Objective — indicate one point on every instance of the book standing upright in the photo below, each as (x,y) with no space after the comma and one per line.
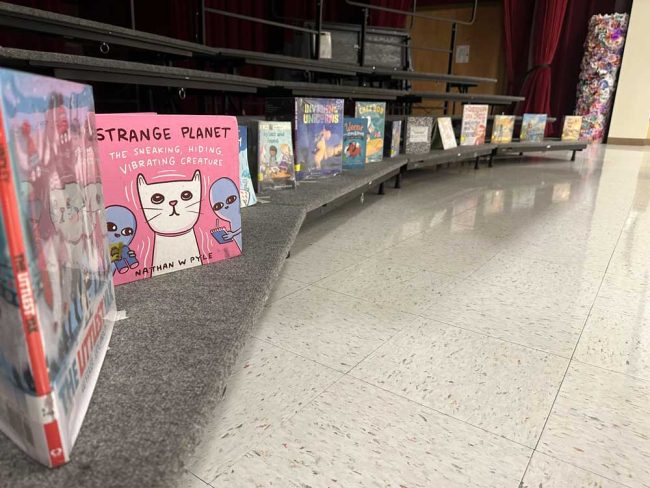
(57,304)
(533,127)
(354,142)
(275,159)
(172,192)
(319,137)
(375,114)
(418,135)
(502,129)
(246,189)
(474,125)
(572,127)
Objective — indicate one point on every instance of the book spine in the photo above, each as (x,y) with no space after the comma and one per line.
(26,300)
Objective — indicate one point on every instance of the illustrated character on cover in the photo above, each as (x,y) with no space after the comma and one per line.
(322,150)
(353,149)
(271,164)
(121,225)
(223,200)
(287,158)
(171,209)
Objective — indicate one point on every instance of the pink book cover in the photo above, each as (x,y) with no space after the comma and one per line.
(171,189)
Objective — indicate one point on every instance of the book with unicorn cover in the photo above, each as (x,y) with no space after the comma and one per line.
(319,137)
(171,186)
(57,305)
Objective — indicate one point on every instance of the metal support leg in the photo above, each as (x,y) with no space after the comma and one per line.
(398,180)
(573,156)
(476,162)
(381,189)
(490,160)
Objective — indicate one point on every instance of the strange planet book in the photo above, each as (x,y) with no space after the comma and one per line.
(571,128)
(502,129)
(57,305)
(276,167)
(533,127)
(354,142)
(474,125)
(246,189)
(375,114)
(319,137)
(171,186)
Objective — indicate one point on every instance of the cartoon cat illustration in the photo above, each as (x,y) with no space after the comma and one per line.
(172,209)
(223,201)
(121,226)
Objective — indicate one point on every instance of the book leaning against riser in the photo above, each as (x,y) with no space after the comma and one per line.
(57,302)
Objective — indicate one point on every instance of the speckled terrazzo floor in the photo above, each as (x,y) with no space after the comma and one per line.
(474,329)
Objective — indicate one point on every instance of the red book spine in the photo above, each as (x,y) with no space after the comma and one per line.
(26,300)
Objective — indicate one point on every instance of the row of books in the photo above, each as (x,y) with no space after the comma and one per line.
(321,142)
(89,201)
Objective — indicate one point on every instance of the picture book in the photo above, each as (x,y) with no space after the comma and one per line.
(276,169)
(57,305)
(446,131)
(473,128)
(319,137)
(375,114)
(246,190)
(171,186)
(396,137)
(354,142)
(502,129)
(533,127)
(571,128)
(418,135)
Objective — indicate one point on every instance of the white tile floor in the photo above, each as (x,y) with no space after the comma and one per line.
(474,329)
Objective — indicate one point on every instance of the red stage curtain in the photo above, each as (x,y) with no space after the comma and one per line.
(379,18)
(549,18)
(566,64)
(517,22)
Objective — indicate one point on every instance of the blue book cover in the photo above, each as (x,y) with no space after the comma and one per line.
(319,137)
(533,127)
(375,114)
(354,142)
(246,190)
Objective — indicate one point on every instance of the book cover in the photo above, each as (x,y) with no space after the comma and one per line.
(171,186)
(473,128)
(246,190)
(446,131)
(533,127)
(319,137)
(354,142)
(502,129)
(276,168)
(396,137)
(571,128)
(375,114)
(57,304)
(418,135)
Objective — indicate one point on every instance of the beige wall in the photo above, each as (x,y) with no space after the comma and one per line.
(631,115)
(484,38)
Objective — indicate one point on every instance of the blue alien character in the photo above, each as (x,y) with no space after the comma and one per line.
(121,225)
(224,200)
